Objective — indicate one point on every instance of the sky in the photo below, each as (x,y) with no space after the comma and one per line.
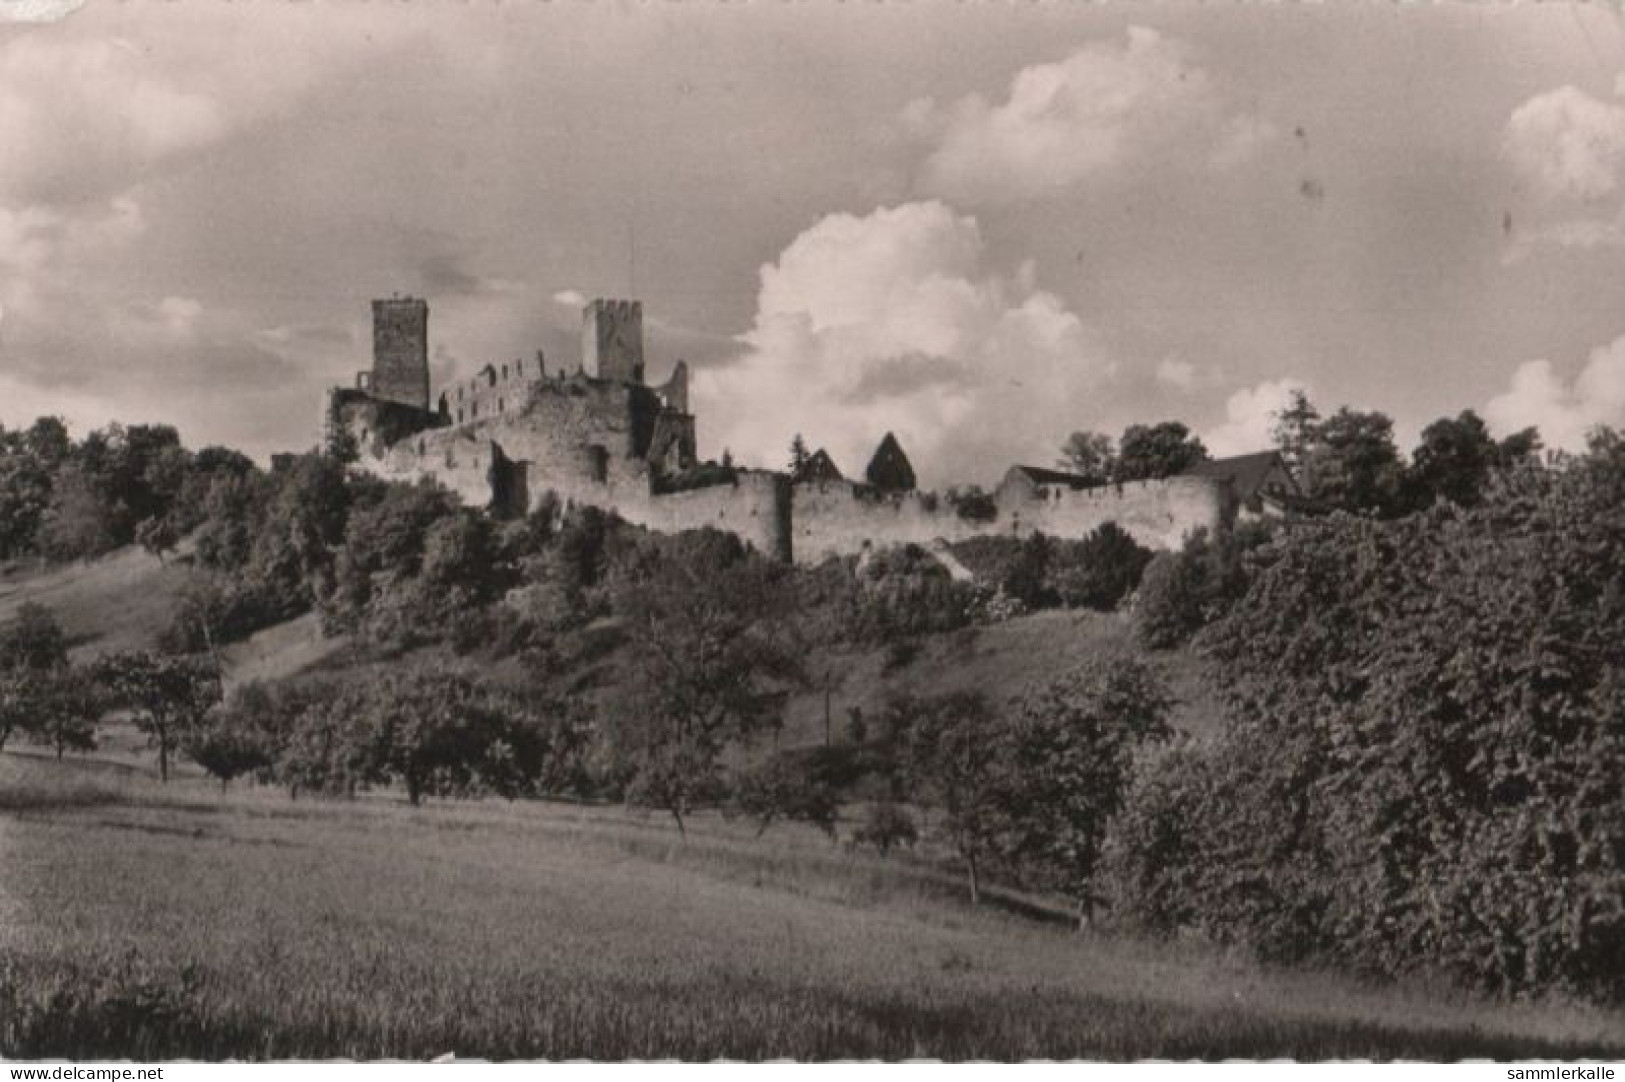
(979,226)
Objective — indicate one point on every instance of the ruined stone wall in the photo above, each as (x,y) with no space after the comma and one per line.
(496,389)
(837,518)
(755,507)
(463,460)
(371,424)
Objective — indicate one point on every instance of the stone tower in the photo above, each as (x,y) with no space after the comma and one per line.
(612,340)
(400,351)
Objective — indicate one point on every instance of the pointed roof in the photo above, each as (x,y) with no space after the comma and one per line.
(1040,475)
(1250,475)
(817,468)
(889,470)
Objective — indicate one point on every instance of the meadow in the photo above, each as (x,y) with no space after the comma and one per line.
(153,922)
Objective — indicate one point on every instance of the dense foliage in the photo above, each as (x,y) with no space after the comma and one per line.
(1425,764)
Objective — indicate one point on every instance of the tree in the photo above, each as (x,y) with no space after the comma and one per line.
(1295,429)
(226,749)
(1090,456)
(34,641)
(1453,461)
(954,754)
(1099,571)
(1072,752)
(33,655)
(798,454)
(1353,465)
(442,732)
(802,785)
(1456,456)
(66,704)
(711,664)
(1159,450)
(167,696)
(157,536)
(1421,766)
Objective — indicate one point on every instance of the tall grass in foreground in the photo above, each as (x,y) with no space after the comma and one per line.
(175,923)
(128,1007)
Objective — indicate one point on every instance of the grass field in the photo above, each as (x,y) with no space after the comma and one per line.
(171,922)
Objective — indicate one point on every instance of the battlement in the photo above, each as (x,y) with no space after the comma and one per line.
(601,436)
(612,340)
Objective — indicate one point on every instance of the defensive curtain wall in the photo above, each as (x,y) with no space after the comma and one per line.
(839,517)
(598,435)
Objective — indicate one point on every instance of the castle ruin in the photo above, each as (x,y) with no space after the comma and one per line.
(598,434)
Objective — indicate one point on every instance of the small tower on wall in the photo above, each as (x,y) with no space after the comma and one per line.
(400,351)
(612,340)
(890,469)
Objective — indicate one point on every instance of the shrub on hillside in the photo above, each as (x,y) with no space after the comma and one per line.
(802,785)
(1182,592)
(1099,571)
(1423,765)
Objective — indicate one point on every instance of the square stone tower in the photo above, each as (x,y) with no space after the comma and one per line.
(612,340)
(400,351)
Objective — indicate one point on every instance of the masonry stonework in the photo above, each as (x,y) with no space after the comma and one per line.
(598,435)
(400,351)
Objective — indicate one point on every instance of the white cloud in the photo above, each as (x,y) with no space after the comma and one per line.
(1065,122)
(179,314)
(1178,374)
(75,111)
(1564,412)
(1242,137)
(891,321)
(1567,144)
(1250,417)
(570,298)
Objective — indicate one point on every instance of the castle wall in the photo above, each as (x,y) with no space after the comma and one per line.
(1159,514)
(465,461)
(755,507)
(497,389)
(373,424)
(837,518)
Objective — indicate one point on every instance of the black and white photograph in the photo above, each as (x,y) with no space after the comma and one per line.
(812,531)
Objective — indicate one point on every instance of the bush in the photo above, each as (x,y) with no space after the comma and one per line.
(1180,593)
(972,504)
(1099,571)
(799,786)
(1423,766)
(886,826)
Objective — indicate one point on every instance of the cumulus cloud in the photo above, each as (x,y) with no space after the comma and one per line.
(85,113)
(1249,417)
(180,314)
(1564,411)
(1567,144)
(1177,374)
(1064,122)
(893,322)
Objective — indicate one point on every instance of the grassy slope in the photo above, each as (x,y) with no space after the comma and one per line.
(119,602)
(1002,660)
(125,599)
(189,923)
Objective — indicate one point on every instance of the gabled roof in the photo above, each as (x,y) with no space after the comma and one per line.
(817,467)
(1038,475)
(890,470)
(1247,474)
